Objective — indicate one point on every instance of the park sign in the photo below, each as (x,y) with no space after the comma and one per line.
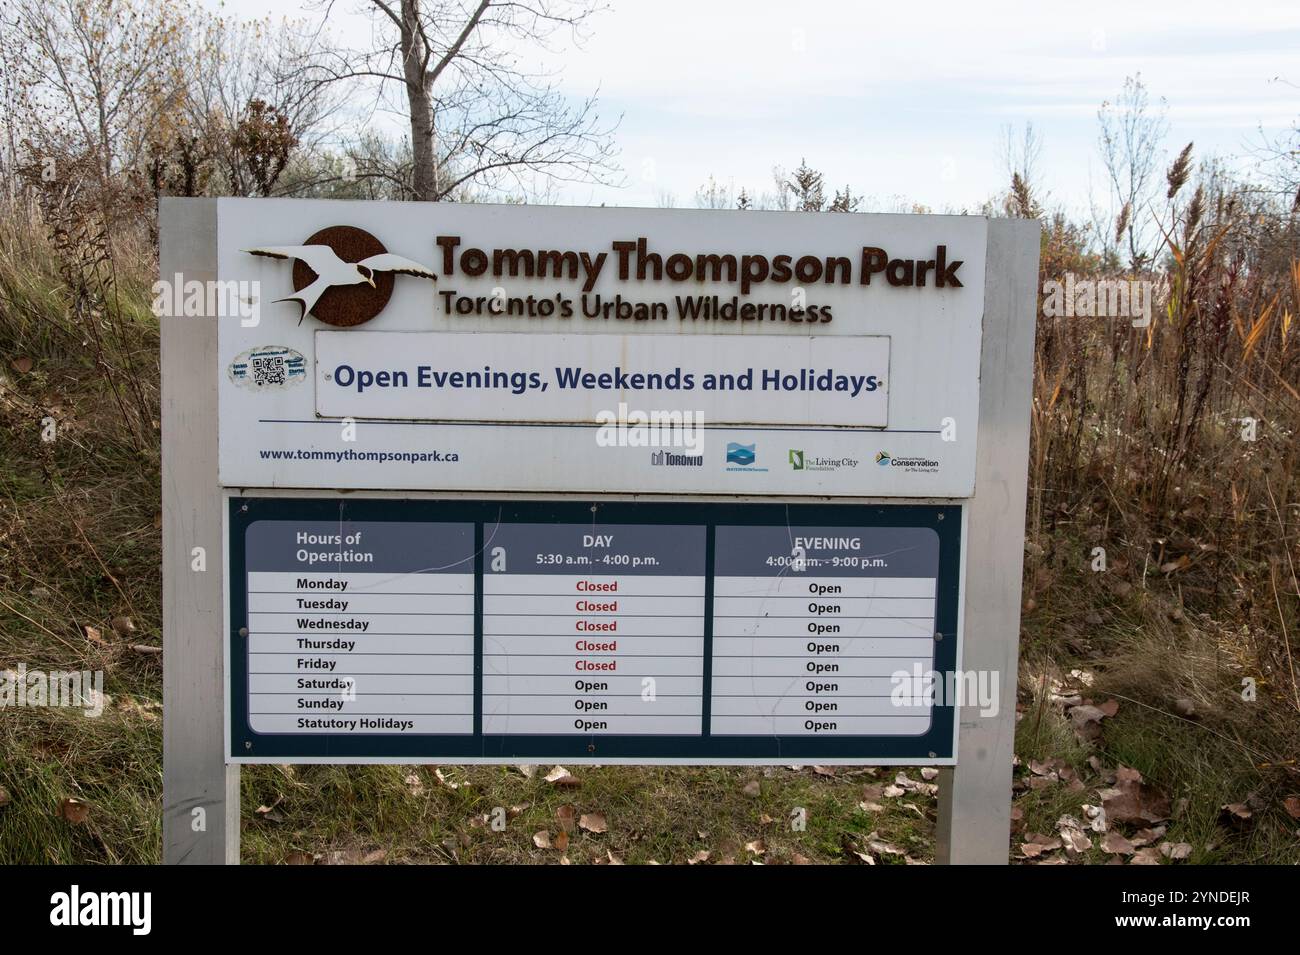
(517,484)
(489,348)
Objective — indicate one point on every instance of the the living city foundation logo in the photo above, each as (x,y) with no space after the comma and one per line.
(801,461)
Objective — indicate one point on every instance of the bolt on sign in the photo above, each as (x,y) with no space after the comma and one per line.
(517,483)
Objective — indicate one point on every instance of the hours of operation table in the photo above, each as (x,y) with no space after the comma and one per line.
(490,630)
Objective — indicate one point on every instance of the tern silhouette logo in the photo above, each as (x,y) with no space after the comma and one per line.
(342,275)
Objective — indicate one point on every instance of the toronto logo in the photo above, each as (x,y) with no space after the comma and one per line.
(343,275)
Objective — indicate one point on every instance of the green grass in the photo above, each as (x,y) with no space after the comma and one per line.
(653,814)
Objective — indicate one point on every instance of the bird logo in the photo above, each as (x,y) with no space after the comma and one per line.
(342,275)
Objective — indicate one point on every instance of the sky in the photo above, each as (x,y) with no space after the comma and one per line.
(906,102)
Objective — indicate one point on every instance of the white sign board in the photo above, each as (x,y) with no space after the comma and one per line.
(484,348)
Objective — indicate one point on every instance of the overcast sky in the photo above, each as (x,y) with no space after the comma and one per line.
(907,99)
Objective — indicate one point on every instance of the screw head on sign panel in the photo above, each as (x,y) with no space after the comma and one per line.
(934,756)
(243,507)
(940,515)
(938,636)
(248,744)
(243,631)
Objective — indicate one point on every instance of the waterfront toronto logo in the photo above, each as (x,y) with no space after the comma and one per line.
(740,454)
(342,275)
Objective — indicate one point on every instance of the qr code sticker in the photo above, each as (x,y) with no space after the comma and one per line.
(268,370)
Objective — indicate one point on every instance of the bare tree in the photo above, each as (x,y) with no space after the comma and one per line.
(96,79)
(241,73)
(476,115)
(713,195)
(1132,130)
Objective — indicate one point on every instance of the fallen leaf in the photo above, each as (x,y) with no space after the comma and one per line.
(1146,856)
(74,811)
(876,846)
(699,857)
(4,796)
(871,806)
(1176,850)
(1086,721)
(442,778)
(593,822)
(1292,806)
(824,771)
(374,856)
(561,841)
(299,858)
(559,772)
(1145,837)
(93,634)
(528,769)
(613,859)
(1036,844)
(542,839)
(1236,813)
(892,792)
(1076,840)
(1116,844)
(757,847)
(123,626)
(414,785)
(752,788)
(1133,801)
(567,815)
(22,365)
(1096,817)
(929,773)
